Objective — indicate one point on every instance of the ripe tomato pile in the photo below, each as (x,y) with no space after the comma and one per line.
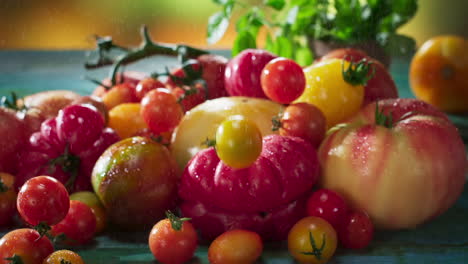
(227,153)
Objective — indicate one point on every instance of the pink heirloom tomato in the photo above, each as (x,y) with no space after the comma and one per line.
(254,197)
(403,163)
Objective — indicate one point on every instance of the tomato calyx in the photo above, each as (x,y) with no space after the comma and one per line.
(316,252)
(3,187)
(12,103)
(382,119)
(63,261)
(276,122)
(69,163)
(209,142)
(15,259)
(358,73)
(43,229)
(176,222)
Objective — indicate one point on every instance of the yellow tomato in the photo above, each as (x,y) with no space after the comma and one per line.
(439,73)
(238,142)
(312,240)
(327,89)
(126,119)
(201,122)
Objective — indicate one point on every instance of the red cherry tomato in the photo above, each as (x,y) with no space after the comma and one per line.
(79,226)
(189,97)
(7,198)
(235,246)
(43,199)
(173,240)
(146,85)
(357,230)
(160,110)
(329,205)
(303,120)
(26,244)
(282,80)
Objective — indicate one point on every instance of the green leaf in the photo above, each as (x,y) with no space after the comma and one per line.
(397,45)
(304,56)
(222,2)
(244,40)
(217,26)
(284,47)
(275,4)
(251,21)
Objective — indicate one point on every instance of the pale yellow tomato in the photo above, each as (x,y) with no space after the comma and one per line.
(201,122)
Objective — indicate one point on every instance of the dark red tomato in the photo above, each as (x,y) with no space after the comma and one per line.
(26,244)
(79,226)
(7,198)
(381,86)
(80,126)
(304,120)
(43,199)
(146,85)
(329,205)
(282,80)
(161,111)
(173,241)
(12,138)
(357,230)
(179,75)
(235,246)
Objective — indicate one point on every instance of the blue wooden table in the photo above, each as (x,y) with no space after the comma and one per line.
(443,240)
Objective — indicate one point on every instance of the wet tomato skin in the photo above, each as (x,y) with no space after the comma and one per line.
(43,199)
(27,244)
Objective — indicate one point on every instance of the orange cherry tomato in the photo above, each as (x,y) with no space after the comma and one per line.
(235,246)
(126,119)
(63,256)
(438,73)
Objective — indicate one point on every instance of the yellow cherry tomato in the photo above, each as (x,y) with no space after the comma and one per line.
(126,119)
(202,121)
(312,240)
(439,73)
(238,142)
(327,89)
(63,256)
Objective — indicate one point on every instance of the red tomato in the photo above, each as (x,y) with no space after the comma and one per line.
(79,226)
(282,80)
(26,244)
(7,198)
(189,97)
(235,246)
(329,205)
(173,240)
(303,120)
(160,110)
(63,257)
(146,85)
(43,199)
(357,230)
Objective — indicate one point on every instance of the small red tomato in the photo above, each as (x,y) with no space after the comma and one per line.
(160,110)
(25,244)
(303,120)
(79,226)
(63,256)
(173,240)
(235,246)
(357,230)
(7,198)
(282,80)
(146,85)
(329,205)
(43,199)
(190,96)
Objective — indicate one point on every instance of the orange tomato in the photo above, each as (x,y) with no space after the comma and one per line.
(126,119)
(439,73)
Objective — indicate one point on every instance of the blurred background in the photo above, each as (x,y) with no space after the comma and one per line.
(59,24)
